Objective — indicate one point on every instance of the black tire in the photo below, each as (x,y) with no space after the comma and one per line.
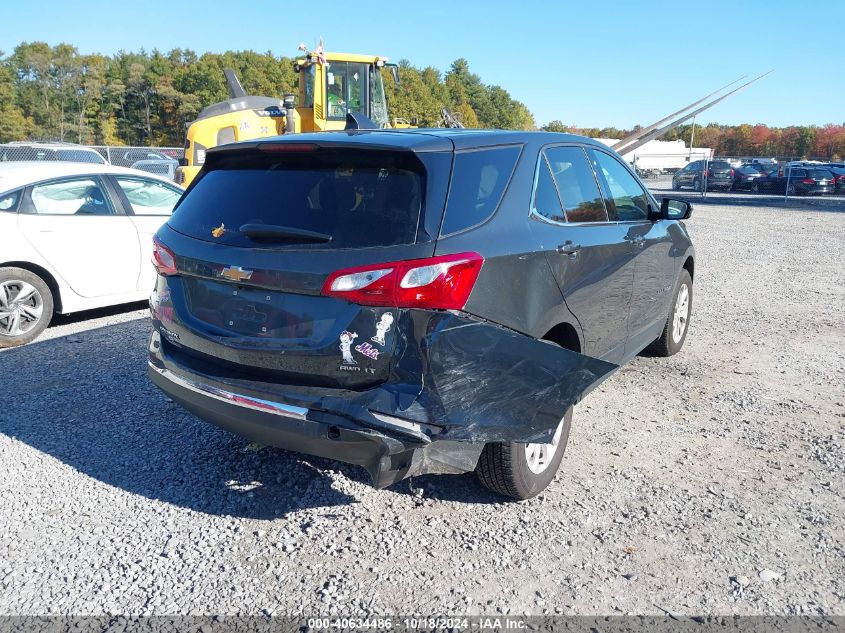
(755,188)
(503,467)
(665,344)
(790,190)
(44,298)
(675,185)
(696,184)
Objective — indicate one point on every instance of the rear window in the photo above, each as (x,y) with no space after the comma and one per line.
(719,164)
(79,156)
(358,198)
(479,179)
(820,173)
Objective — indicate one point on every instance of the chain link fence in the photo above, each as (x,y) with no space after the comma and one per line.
(156,160)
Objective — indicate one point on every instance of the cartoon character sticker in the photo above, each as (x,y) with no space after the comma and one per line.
(382,328)
(346,339)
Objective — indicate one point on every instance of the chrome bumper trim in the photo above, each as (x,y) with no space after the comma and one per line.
(248,402)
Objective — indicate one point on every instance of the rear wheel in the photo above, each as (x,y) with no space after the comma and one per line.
(677,324)
(755,187)
(26,306)
(696,184)
(790,190)
(520,470)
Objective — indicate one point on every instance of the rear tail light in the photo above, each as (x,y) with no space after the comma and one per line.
(732,173)
(708,173)
(809,181)
(442,283)
(163,259)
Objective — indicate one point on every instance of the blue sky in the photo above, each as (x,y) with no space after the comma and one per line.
(589,63)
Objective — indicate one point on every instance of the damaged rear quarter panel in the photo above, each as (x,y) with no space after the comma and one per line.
(484,383)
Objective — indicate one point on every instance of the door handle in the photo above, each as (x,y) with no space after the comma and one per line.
(568,248)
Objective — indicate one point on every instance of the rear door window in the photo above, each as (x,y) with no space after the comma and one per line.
(479,179)
(546,201)
(576,184)
(626,200)
(357,198)
(149,197)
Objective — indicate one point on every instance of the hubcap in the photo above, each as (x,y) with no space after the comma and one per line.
(681,314)
(21,307)
(539,456)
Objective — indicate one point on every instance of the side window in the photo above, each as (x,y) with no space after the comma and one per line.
(225,135)
(83,196)
(546,200)
(9,201)
(576,185)
(149,197)
(626,199)
(479,179)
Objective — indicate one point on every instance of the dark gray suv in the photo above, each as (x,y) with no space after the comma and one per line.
(420,301)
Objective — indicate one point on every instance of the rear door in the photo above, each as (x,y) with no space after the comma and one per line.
(258,236)
(148,204)
(83,234)
(589,255)
(629,205)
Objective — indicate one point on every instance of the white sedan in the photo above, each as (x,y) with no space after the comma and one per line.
(74,236)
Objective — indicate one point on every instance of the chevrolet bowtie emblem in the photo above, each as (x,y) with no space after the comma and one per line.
(235,273)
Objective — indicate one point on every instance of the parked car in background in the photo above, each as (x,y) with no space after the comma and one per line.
(796,180)
(74,236)
(61,152)
(165,168)
(718,175)
(426,301)
(745,176)
(126,157)
(838,171)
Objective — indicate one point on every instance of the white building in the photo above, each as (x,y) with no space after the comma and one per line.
(662,154)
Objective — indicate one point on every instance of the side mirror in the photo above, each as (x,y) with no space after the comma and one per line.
(671,209)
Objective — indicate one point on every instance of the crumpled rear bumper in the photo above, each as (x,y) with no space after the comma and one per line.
(455,384)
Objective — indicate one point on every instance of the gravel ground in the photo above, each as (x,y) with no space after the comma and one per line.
(708,483)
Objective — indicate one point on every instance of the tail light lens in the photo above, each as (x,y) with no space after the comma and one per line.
(709,173)
(809,181)
(163,259)
(732,173)
(442,283)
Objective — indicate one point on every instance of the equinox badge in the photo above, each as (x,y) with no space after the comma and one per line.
(235,273)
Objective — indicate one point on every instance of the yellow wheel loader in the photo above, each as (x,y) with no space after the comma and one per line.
(331,85)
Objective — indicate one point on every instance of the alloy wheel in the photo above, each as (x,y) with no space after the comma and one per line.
(680,316)
(21,307)
(539,456)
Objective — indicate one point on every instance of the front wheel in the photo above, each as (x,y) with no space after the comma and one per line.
(522,471)
(677,324)
(755,187)
(26,306)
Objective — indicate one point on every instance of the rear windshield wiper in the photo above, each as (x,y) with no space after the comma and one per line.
(276,232)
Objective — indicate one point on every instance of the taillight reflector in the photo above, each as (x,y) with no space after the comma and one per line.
(163,259)
(442,283)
